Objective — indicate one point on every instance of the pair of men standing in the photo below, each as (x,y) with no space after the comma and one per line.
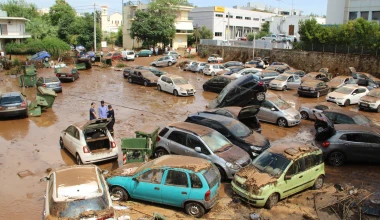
(104,112)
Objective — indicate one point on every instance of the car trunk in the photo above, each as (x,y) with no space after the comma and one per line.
(328,130)
(247,116)
(52,82)
(96,135)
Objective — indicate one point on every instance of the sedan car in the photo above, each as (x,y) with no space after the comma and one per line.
(215,58)
(313,88)
(176,85)
(364,79)
(252,142)
(85,191)
(144,53)
(187,182)
(307,110)
(13,104)
(67,74)
(50,82)
(371,101)
(340,81)
(164,61)
(285,81)
(213,69)
(278,111)
(216,84)
(198,67)
(233,63)
(325,77)
(144,77)
(173,54)
(43,55)
(278,68)
(347,95)
(89,141)
(154,70)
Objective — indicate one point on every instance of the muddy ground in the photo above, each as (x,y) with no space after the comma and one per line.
(32,144)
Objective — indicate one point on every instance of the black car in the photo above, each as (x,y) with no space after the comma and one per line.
(313,88)
(258,63)
(144,77)
(216,84)
(233,69)
(154,70)
(247,89)
(13,104)
(252,142)
(67,74)
(233,63)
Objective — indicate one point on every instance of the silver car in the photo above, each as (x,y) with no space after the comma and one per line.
(194,140)
(285,81)
(306,110)
(198,67)
(278,111)
(187,67)
(50,82)
(164,61)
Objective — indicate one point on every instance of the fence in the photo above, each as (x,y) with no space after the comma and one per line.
(259,44)
(335,48)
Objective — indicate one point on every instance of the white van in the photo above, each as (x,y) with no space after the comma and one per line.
(128,55)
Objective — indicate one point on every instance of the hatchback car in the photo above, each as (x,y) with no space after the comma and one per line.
(299,73)
(233,63)
(248,89)
(285,81)
(198,67)
(187,182)
(144,53)
(67,74)
(231,70)
(13,104)
(50,82)
(215,58)
(89,141)
(194,140)
(43,55)
(74,190)
(128,55)
(313,88)
(245,72)
(144,77)
(307,110)
(278,111)
(173,54)
(252,142)
(164,61)
(216,84)
(213,69)
(325,77)
(340,81)
(347,95)
(279,172)
(176,85)
(371,101)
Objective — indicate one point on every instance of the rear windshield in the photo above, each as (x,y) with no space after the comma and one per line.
(10,100)
(51,79)
(130,53)
(212,176)
(361,120)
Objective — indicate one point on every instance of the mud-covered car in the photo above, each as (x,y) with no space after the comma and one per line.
(252,142)
(325,77)
(77,192)
(299,73)
(278,68)
(67,74)
(215,58)
(339,81)
(258,63)
(51,82)
(181,181)
(176,85)
(285,81)
(152,69)
(267,75)
(198,67)
(89,141)
(189,64)
(231,70)
(233,63)
(313,88)
(347,95)
(216,84)
(364,79)
(13,104)
(183,138)
(246,71)
(371,101)
(279,172)
(307,110)
(144,77)
(213,69)
(164,61)
(248,89)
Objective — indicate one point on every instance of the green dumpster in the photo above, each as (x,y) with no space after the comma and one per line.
(29,78)
(34,108)
(107,61)
(48,94)
(80,66)
(134,150)
(148,132)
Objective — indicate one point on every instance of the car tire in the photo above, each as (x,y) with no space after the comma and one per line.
(120,192)
(347,103)
(284,88)
(175,93)
(46,59)
(282,122)
(262,38)
(223,175)
(304,115)
(61,143)
(271,201)
(159,88)
(194,209)
(260,96)
(145,83)
(78,159)
(169,63)
(336,158)
(160,152)
(318,184)
(130,80)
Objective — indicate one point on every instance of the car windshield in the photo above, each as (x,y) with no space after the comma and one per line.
(148,74)
(10,100)
(344,90)
(281,78)
(212,176)
(281,104)
(271,163)
(361,120)
(144,166)
(215,140)
(51,79)
(222,94)
(238,129)
(180,81)
(374,93)
(130,53)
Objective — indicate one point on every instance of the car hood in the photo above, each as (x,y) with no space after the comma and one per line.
(275,81)
(291,111)
(253,178)
(369,99)
(337,95)
(186,86)
(256,139)
(335,85)
(234,155)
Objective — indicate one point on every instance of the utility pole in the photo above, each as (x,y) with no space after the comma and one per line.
(228,29)
(94,29)
(196,36)
(254,45)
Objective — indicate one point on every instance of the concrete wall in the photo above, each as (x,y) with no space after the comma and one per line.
(307,61)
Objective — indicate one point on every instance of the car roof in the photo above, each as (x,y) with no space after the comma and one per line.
(341,77)
(314,73)
(144,71)
(184,162)
(292,150)
(356,128)
(195,128)
(287,74)
(345,112)
(9,94)
(220,118)
(293,71)
(350,86)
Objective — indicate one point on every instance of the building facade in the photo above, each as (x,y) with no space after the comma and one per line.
(112,22)
(228,23)
(12,29)
(260,6)
(341,11)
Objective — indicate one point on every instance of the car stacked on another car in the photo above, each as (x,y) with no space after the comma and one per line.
(42,55)
(51,82)
(175,85)
(164,61)
(347,95)
(216,84)
(371,101)
(144,77)
(13,104)
(313,88)
(233,63)
(278,68)
(285,81)
(325,77)
(245,71)
(339,81)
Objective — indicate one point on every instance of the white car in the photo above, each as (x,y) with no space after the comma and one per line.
(347,95)
(213,69)
(189,65)
(175,85)
(371,101)
(128,55)
(245,72)
(215,58)
(89,141)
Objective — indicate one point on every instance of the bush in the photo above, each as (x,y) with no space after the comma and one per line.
(120,65)
(16,62)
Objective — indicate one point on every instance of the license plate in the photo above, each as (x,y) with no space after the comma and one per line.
(63,75)
(13,107)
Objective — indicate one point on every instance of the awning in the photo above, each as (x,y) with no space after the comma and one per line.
(185,26)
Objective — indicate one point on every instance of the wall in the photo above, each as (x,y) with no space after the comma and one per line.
(335,11)
(307,61)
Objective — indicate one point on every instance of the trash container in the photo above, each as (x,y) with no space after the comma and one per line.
(29,78)
(48,94)
(107,61)
(148,132)
(36,106)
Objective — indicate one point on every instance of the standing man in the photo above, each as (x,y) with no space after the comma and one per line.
(156,49)
(111,114)
(102,110)
(92,111)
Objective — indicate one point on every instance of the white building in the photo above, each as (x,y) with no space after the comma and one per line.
(11,29)
(288,25)
(260,6)
(239,24)
(111,23)
(341,11)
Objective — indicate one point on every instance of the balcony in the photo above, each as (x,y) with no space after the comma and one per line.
(15,35)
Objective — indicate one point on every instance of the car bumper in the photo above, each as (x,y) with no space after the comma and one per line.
(209,204)
(181,93)
(243,195)
(339,102)
(309,93)
(367,106)
(293,122)
(13,112)
(93,158)
(56,89)
(276,87)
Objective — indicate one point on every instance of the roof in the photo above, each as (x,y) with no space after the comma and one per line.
(355,127)
(314,73)
(185,162)
(14,18)
(311,82)
(292,150)
(9,94)
(198,129)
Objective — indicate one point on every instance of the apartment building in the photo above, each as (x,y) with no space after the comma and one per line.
(12,29)
(341,11)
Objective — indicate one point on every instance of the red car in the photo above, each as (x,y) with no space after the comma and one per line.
(114,56)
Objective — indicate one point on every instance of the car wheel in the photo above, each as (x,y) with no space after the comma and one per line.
(223,175)
(46,59)
(145,83)
(271,201)
(284,88)
(169,63)
(336,159)
(159,88)
(273,41)
(318,184)
(378,109)
(304,115)
(79,161)
(260,96)
(262,38)
(194,209)
(347,103)
(175,93)
(282,122)
(161,152)
(61,143)
(119,192)
(318,94)
(130,80)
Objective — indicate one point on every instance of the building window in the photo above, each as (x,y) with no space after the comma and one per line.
(248,18)
(353,15)
(256,19)
(219,15)
(364,14)
(231,16)
(218,34)
(376,15)
(239,17)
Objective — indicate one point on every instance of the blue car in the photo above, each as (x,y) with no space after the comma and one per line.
(43,55)
(188,182)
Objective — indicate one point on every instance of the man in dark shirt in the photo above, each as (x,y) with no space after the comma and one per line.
(111,114)
(92,111)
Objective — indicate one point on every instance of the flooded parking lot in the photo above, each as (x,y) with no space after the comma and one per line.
(33,143)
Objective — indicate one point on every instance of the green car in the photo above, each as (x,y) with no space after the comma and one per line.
(144,53)
(279,172)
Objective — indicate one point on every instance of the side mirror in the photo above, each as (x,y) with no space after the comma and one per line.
(104,172)
(44,179)
(273,109)
(198,149)
(287,177)
(353,93)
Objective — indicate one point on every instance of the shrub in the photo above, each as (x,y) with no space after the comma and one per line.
(120,65)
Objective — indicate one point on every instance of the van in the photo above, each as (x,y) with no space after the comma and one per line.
(128,55)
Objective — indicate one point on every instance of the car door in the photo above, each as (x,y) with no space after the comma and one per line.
(356,147)
(294,178)
(170,85)
(355,96)
(192,142)
(373,140)
(323,88)
(147,186)
(76,141)
(177,143)
(68,138)
(266,113)
(291,83)
(161,61)
(139,78)
(176,188)
(361,92)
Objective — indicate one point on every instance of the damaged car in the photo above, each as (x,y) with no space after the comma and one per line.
(279,172)
(144,77)
(313,88)
(216,84)
(307,110)
(89,141)
(176,85)
(325,77)
(364,79)
(299,73)
(278,68)
(347,95)
(371,101)
(183,138)
(340,81)
(180,181)
(285,81)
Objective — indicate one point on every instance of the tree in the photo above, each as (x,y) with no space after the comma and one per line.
(40,28)
(62,15)
(19,8)
(81,31)
(119,37)
(262,33)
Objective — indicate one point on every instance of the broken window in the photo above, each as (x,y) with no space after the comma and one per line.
(151,176)
(176,178)
(195,181)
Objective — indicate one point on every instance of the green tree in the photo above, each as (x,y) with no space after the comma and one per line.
(265,27)
(19,8)
(81,31)
(119,37)
(62,15)
(307,30)
(40,28)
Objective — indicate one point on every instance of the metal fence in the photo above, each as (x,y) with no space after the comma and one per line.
(259,44)
(335,48)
